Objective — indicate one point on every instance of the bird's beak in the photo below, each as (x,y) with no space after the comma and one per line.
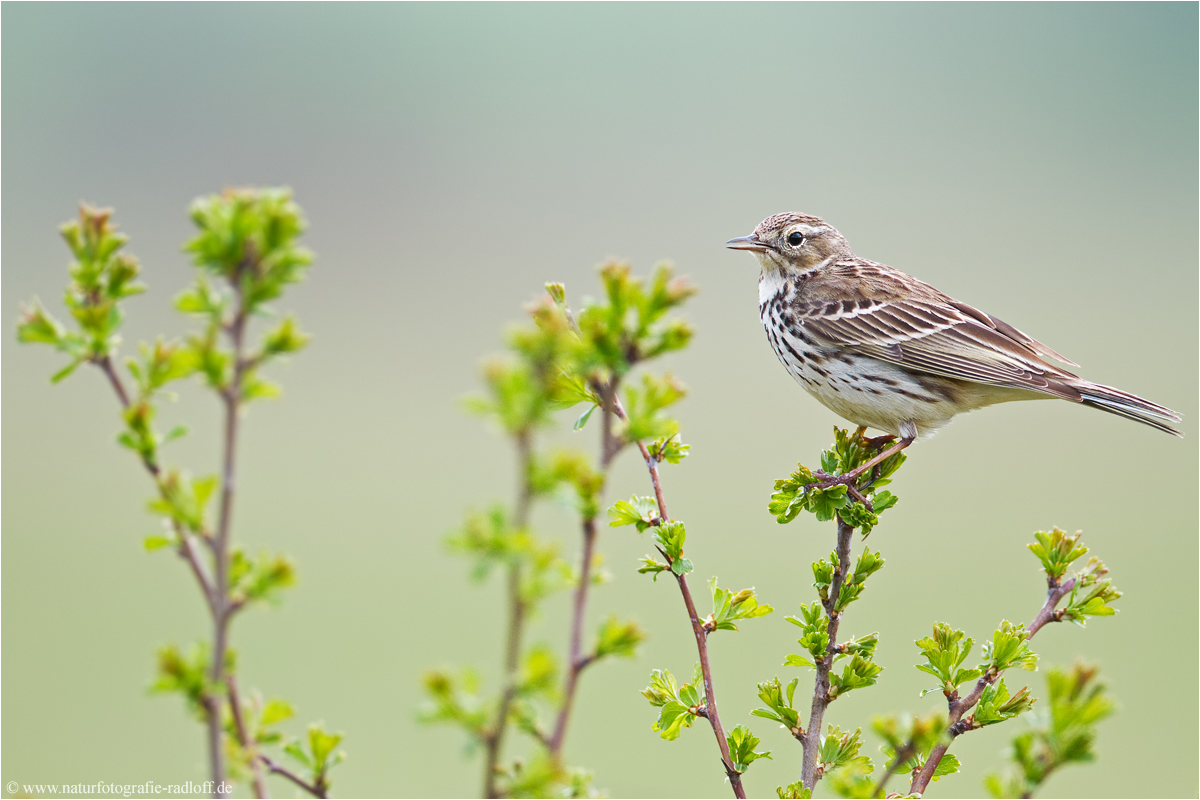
(750,242)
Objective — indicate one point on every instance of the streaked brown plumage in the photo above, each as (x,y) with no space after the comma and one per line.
(884,350)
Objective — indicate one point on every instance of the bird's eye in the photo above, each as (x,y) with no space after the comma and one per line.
(795,239)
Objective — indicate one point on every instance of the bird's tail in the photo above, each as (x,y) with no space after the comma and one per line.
(1127,405)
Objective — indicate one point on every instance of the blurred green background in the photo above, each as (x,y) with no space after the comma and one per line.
(1039,161)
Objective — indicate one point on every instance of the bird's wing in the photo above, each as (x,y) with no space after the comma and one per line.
(932,333)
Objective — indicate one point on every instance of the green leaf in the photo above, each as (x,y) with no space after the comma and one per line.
(839,748)
(639,511)
(37,326)
(285,337)
(859,673)
(557,293)
(815,638)
(794,791)
(1057,551)
(662,688)
(321,754)
(644,409)
(650,565)
(185,674)
(157,542)
(1092,595)
(584,417)
(853,779)
(256,388)
(670,536)
(258,578)
(947,766)
(454,699)
(1064,735)
(276,711)
(996,705)
(249,236)
(729,607)
(779,704)
(178,432)
(539,672)
(675,702)
(618,639)
(1008,649)
(668,449)
(741,748)
(65,371)
(944,653)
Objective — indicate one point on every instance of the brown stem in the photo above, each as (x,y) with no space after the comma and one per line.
(187,551)
(222,611)
(494,738)
(710,694)
(821,699)
(577,660)
(239,725)
(106,366)
(958,708)
(315,791)
(610,446)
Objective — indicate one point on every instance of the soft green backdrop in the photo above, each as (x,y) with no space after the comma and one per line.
(1037,160)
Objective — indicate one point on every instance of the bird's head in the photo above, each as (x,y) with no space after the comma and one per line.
(795,243)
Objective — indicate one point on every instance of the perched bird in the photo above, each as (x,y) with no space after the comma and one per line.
(884,350)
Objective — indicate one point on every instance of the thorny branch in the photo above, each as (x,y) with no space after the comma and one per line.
(959,707)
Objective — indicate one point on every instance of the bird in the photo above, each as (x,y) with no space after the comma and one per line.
(884,350)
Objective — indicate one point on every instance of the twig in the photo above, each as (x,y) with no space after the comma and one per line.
(494,738)
(239,725)
(698,630)
(222,611)
(186,544)
(610,446)
(903,755)
(959,707)
(284,772)
(106,365)
(821,699)
(187,551)
(577,661)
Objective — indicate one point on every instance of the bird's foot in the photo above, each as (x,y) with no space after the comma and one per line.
(877,442)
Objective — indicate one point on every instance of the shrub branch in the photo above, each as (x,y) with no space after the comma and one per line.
(811,742)
(698,627)
(958,707)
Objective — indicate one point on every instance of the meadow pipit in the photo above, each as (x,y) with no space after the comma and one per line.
(884,350)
